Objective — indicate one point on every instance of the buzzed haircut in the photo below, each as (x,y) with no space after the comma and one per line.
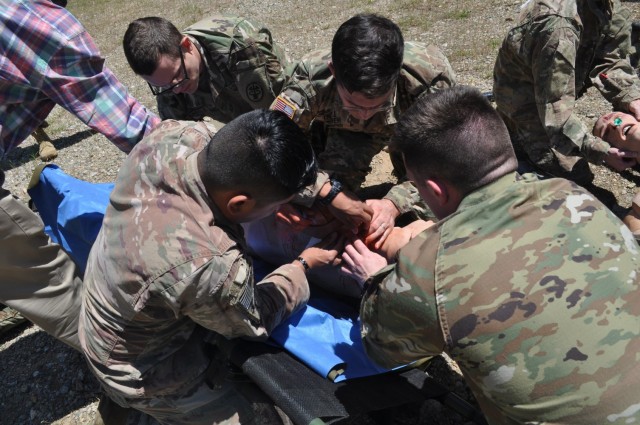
(261,150)
(367,52)
(456,135)
(148,38)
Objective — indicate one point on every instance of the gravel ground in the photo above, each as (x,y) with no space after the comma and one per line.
(44,382)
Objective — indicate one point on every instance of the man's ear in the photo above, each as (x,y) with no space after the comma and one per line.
(331,68)
(438,189)
(185,43)
(240,205)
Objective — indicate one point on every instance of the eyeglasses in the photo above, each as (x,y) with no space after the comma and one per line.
(156,90)
(349,105)
(381,108)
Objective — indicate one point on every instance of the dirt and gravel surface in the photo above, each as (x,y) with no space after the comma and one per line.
(44,382)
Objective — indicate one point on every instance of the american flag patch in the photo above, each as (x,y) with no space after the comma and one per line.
(283,105)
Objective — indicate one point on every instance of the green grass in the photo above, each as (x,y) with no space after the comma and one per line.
(459,14)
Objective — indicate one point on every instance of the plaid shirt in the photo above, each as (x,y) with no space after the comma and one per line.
(48,58)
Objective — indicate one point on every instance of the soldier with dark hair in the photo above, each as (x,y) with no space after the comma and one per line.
(530,285)
(169,273)
(354,95)
(219,67)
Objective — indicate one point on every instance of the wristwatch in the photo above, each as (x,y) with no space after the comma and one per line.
(336,187)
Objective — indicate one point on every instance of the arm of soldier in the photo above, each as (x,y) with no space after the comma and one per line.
(613,75)
(231,303)
(298,96)
(398,313)
(553,69)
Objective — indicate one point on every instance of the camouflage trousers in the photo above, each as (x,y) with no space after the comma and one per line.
(222,394)
(37,278)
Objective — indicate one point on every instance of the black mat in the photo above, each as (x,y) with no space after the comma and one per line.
(305,396)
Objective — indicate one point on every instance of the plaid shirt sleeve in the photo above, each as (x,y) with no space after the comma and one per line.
(48,58)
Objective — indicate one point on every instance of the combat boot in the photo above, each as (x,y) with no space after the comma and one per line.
(632,219)
(46,150)
(9,319)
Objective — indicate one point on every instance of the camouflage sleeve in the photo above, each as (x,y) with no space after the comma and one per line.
(613,75)
(404,196)
(237,306)
(307,196)
(398,313)
(296,97)
(553,67)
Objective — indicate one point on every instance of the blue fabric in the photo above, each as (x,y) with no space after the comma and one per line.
(71,209)
(325,335)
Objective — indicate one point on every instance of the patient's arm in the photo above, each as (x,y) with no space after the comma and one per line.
(400,236)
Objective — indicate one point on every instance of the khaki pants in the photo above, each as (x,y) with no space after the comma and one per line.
(37,278)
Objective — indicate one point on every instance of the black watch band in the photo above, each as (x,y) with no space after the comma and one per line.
(336,187)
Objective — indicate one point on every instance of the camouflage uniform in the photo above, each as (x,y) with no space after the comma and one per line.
(168,274)
(311,96)
(532,287)
(244,71)
(558,50)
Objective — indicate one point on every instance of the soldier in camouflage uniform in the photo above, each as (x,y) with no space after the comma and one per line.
(220,67)
(355,94)
(530,285)
(556,52)
(168,274)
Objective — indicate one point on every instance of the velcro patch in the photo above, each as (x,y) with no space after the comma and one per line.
(284,105)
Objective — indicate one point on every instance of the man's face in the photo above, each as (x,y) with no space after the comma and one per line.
(619,129)
(179,75)
(361,107)
(264,208)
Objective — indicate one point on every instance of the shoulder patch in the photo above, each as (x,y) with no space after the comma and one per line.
(284,105)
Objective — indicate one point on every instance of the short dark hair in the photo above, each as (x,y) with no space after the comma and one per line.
(148,38)
(456,135)
(366,53)
(261,150)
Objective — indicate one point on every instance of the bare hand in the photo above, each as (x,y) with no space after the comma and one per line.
(382,222)
(326,252)
(359,262)
(293,216)
(620,160)
(347,208)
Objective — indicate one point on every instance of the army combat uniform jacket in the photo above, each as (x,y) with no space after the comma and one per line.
(558,50)
(168,272)
(311,96)
(244,69)
(532,288)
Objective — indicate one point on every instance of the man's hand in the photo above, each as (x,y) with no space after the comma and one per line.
(294,216)
(347,208)
(620,160)
(324,253)
(382,221)
(634,109)
(359,262)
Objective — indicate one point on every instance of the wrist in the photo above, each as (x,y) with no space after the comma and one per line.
(336,188)
(303,263)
